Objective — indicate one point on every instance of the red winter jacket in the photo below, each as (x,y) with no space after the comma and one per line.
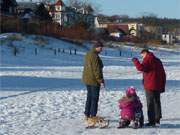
(154,76)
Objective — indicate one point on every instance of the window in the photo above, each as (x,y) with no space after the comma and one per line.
(58,16)
(58,8)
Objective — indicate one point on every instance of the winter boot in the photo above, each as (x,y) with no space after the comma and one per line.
(123,123)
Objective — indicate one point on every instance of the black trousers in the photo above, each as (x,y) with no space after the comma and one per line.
(92,100)
(153,106)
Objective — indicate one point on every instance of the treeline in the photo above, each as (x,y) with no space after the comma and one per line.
(167,24)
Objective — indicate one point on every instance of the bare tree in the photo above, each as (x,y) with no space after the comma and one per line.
(75,3)
(86,4)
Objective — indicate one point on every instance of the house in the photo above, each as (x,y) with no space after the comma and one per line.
(168,38)
(157,31)
(116,28)
(135,29)
(101,22)
(72,16)
(178,39)
(56,11)
(26,7)
(8,7)
(67,16)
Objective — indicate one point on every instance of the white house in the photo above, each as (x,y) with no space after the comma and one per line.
(135,29)
(67,16)
(56,11)
(168,38)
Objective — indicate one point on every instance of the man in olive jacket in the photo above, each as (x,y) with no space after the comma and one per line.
(93,79)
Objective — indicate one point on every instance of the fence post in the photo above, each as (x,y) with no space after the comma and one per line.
(75,51)
(35,51)
(55,52)
(70,52)
(120,53)
(59,50)
(15,51)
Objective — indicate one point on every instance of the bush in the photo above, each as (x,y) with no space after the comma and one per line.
(10,25)
(41,41)
(33,27)
(16,37)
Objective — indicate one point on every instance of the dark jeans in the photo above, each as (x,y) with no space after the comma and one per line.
(92,100)
(153,106)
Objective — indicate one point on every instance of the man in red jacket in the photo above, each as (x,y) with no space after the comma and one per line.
(154,80)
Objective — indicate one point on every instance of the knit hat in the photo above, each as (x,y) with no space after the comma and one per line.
(98,44)
(131,91)
(144,50)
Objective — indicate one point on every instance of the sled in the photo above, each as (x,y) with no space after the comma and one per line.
(97,122)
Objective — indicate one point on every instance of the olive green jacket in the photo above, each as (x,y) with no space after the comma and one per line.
(93,69)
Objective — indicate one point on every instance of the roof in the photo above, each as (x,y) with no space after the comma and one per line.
(103,20)
(118,27)
(59,2)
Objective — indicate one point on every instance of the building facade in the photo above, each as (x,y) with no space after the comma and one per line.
(67,16)
(168,38)
(135,29)
(118,28)
(56,11)
(8,7)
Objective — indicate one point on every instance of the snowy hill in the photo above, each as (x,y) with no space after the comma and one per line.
(41,90)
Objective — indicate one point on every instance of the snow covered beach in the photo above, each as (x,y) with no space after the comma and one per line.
(43,94)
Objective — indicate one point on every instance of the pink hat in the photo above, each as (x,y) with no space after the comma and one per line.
(131,91)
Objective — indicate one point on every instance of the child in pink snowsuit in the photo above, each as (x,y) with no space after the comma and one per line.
(130,109)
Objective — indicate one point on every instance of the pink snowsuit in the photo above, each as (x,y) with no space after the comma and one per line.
(129,106)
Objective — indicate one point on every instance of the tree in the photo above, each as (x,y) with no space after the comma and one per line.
(6,4)
(78,4)
(75,3)
(42,12)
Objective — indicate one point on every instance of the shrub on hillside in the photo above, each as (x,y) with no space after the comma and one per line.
(10,25)
(41,41)
(15,37)
(33,27)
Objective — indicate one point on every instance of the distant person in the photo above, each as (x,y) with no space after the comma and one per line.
(154,80)
(93,79)
(130,110)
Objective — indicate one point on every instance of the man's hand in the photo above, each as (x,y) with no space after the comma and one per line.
(102,85)
(134,59)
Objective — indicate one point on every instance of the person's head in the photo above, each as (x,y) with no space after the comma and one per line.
(131,91)
(144,53)
(98,46)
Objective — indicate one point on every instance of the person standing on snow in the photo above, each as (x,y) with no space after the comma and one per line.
(154,80)
(93,79)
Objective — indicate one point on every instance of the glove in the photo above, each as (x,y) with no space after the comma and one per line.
(134,59)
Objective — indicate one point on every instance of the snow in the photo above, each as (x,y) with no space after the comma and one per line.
(43,94)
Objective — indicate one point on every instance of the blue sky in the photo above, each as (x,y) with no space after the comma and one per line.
(136,8)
